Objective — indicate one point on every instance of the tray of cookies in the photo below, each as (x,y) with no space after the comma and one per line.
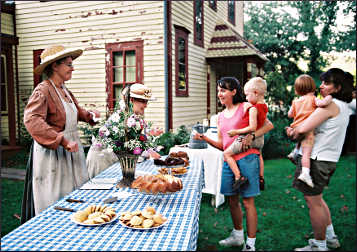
(174,171)
(94,216)
(145,219)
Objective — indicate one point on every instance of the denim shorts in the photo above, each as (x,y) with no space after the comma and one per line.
(249,167)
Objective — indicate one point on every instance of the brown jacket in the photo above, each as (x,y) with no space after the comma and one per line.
(45,117)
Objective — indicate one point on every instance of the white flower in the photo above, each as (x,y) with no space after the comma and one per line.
(115,129)
(122,105)
(138,126)
(131,122)
(115,117)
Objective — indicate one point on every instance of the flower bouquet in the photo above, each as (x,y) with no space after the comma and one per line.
(127,135)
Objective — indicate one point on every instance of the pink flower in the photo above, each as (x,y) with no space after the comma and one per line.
(137,151)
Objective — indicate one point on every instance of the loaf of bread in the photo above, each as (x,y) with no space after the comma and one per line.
(157,184)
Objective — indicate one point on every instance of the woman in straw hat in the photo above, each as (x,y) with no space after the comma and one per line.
(57,162)
(99,158)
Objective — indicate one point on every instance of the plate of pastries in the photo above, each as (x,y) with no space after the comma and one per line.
(157,184)
(94,216)
(148,218)
(174,159)
(174,171)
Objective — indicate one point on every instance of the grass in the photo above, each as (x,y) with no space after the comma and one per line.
(283,220)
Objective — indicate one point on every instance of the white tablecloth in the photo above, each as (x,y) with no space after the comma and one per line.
(212,161)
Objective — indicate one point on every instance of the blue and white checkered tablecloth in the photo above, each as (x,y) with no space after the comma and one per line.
(53,229)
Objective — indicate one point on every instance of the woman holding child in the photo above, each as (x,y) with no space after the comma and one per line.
(330,123)
(230,94)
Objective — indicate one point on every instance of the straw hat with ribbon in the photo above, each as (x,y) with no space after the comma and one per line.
(140,91)
(54,53)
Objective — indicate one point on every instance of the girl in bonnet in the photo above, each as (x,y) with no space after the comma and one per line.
(100,158)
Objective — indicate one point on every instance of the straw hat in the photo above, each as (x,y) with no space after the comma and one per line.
(54,53)
(141,91)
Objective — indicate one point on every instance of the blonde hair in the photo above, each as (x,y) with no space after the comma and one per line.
(257,84)
(304,84)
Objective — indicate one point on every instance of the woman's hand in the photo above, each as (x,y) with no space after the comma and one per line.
(198,136)
(293,134)
(156,131)
(247,142)
(154,154)
(72,146)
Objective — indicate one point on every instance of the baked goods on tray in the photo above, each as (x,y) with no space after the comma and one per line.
(180,154)
(174,171)
(174,159)
(94,215)
(157,184)
(169,161)
(142,219)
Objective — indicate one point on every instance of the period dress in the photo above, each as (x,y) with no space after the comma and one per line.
(55,171)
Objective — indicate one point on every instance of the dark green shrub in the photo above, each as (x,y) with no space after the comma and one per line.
(170,139)
(25,138)
(276,142)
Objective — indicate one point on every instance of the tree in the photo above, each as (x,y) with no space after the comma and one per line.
(287,32)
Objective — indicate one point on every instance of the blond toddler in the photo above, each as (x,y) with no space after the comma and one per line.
(255,111)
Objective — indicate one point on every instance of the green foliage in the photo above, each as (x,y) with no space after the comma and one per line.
(170,139)
(288,38)
(276,142)
(279,92)
(87,131)
(25,138)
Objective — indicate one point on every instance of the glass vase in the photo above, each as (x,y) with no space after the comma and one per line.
(128,165)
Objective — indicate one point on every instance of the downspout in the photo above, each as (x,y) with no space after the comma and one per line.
(17,81)
(166,68)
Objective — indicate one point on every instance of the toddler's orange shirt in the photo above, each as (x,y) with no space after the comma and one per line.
(302,108)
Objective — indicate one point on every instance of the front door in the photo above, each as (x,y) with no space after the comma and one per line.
(8,122)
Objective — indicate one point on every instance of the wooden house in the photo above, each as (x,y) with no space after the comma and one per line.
(177,48)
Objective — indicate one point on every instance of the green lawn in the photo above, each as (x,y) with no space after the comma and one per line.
(283,222)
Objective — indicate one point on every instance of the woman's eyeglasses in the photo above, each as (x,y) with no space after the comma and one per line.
(68,64)
(141,100)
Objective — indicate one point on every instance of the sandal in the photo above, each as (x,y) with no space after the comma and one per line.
(240,183)
(261,183)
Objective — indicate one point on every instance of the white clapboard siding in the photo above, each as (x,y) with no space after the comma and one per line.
(189,110)
(90,25)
